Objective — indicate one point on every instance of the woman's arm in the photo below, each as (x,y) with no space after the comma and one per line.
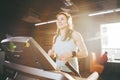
(82,50)
(51,52)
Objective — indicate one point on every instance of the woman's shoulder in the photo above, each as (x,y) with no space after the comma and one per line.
(76,35)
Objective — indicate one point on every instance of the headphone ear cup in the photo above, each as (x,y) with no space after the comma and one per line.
(70,21)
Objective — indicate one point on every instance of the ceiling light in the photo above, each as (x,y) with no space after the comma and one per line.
(117,10)
(100,13)
(42,23)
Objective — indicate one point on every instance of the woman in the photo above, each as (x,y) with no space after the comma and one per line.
(65,42)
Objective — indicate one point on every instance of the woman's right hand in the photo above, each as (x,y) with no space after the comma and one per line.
(51,53)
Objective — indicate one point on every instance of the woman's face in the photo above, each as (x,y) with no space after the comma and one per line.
(62,21)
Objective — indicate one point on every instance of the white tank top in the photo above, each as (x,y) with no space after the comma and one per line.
(62,47)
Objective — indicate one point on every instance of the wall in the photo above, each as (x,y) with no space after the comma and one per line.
(44,35)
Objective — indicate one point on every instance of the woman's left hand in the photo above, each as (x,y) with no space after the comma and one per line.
(64,56)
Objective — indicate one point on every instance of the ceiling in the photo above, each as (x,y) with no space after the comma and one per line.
(35,11)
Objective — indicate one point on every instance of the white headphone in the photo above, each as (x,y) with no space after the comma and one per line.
(70,20)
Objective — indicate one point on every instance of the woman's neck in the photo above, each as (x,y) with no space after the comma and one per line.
(64,31)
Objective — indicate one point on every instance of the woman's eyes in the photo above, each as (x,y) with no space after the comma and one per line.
(61,19)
